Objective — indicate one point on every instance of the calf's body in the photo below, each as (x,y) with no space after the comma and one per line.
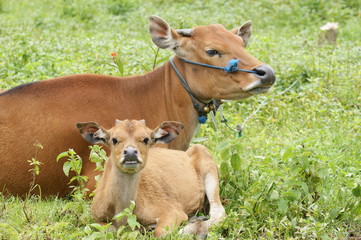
(167,185)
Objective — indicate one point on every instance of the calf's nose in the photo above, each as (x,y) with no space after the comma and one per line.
(130,152)
(266,74)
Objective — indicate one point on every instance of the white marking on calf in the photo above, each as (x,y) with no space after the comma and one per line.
(217,211)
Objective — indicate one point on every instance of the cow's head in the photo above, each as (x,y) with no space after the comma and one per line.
(129,140)
(214,45)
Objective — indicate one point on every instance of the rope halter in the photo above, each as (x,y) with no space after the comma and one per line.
(214,103)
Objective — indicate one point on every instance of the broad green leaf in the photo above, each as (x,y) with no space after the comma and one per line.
(71,151)
(109,236)
(100,227)
(119,216)
(224,169)
(132,221)
(120,230)
(235,161)
(75,178)
(82,178)
(225,153)
(66,168)
(87,229)
(61,155)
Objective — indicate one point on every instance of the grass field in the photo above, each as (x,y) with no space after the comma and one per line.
(296,171)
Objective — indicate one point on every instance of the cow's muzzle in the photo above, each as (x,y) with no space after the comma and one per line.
(266,78)
(266,74)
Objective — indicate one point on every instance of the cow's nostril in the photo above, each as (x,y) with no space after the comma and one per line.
(259,72)
(125,152)
(266,74)
(135,152)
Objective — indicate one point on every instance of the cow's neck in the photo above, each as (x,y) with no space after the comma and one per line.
(181,106)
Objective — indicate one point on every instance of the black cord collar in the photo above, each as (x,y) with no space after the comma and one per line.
(209,106)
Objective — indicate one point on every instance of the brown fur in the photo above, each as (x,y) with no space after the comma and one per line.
(45,112)
(167,187)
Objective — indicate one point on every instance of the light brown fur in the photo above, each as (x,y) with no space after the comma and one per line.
(168,185)
(45,112)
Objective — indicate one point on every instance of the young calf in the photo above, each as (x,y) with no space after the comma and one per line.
(166,185)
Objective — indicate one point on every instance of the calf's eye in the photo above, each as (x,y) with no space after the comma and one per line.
(115,141)
(145,140)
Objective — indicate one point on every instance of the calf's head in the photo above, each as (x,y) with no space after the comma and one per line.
(215,45)
(129,140)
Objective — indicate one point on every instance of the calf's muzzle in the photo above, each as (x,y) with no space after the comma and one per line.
(130,153)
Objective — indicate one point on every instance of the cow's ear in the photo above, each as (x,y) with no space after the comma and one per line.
(244,31)
(166,132)
(162,34)
(93,132)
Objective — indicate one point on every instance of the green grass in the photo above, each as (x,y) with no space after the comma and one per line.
(295,173)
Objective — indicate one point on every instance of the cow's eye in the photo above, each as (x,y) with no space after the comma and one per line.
(145,141)
(115,141)
(212,52)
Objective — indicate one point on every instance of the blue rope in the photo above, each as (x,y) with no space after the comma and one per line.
(232,66)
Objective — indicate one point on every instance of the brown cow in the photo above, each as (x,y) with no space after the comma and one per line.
(45,111)
(166,185)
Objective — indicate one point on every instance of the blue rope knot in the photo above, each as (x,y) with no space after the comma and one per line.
(202,119)
(232,66)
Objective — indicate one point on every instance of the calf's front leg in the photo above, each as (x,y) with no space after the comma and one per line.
(168,221)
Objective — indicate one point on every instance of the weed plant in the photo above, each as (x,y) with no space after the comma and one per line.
(296,171)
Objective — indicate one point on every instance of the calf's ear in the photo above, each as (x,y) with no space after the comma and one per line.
(244,31)
(162,34)
(93,133)
(166,132)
